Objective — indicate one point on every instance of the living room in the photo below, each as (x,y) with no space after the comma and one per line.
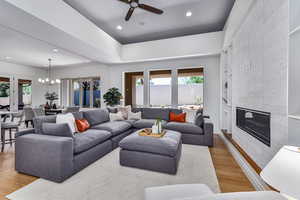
(149,99)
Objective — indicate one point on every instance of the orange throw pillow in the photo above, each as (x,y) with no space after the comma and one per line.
(82,125)
(177,118)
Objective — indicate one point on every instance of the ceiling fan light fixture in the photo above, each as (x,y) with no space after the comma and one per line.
(133,4)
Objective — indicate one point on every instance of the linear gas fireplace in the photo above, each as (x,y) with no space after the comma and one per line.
(256,123)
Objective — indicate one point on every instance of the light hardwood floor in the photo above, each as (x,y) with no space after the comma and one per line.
(230,176)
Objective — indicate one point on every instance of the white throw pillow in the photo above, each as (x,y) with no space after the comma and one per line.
(124,110)
(116,116)
(67,119)
(134,116)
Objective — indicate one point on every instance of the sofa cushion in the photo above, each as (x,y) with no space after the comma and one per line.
(156,113)
(167,145)
(175,110)
(38,122)
(130,121)
(88,139)
(146,123)
(95,117)
(78,115)
(62,130)
(112,109)
(187,128)
(67,118)
(115,127)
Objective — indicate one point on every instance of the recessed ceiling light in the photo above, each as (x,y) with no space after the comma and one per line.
(119,27)
(7,57)
(188,14)
(55,50)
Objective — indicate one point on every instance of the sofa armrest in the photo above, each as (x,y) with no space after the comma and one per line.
(49,157)
(25,132)
(208,129)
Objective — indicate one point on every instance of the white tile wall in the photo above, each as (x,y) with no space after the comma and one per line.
(259,74)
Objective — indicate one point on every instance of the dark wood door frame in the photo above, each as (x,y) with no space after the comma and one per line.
(129,76)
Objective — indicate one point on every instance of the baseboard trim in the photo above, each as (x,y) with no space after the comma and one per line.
(252,173)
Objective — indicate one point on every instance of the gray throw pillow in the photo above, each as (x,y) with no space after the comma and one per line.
(62,130)
(112,110)
(199,120)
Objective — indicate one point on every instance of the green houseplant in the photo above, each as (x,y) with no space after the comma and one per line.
(112,97)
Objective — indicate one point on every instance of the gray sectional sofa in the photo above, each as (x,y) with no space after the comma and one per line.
(42,152)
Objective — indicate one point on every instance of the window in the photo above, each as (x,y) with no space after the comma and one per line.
(86,92)
(4,93)
(139,91)
(76,93)
(160,88)
(190,87)
(96,93)
(86,87)
(24,93)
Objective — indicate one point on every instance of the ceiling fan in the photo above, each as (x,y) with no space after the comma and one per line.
(136,4)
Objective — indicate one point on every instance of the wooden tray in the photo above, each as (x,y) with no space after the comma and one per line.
(148,133)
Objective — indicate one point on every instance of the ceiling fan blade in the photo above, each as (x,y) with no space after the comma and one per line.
(125,1)
(129,13)
(151,9)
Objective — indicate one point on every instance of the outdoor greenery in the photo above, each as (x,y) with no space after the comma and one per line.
(112,97)
(4,89)
(192,80)
(181,80)
(26,89)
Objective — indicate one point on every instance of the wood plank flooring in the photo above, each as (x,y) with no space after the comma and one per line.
(230,176)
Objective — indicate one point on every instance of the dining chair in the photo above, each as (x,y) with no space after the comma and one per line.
(38,112)
(28,113)
(10,126)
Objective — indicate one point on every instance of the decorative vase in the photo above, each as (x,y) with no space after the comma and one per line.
(155,129)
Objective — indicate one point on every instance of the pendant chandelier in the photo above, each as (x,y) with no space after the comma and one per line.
(49,80)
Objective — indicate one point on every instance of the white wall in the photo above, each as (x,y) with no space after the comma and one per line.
(25,72)
(259,74)
(179,47)
(211,66)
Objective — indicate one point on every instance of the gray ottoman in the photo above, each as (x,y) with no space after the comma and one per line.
(156,154)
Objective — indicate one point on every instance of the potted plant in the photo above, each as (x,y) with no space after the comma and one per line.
(112,97)
(51,97)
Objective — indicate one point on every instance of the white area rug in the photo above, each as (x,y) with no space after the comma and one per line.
(107,180)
